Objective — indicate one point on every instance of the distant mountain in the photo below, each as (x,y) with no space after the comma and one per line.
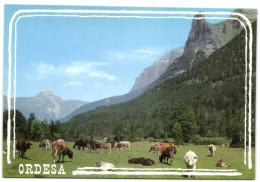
(153,72)
(104,102)
(46,105)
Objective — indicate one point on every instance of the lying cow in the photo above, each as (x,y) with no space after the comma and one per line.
(221,163)
(211,149)
(105,165)
(190,160)
(169,152)
(143,161)
(22,146)
(60,148)
(45,144)
(105,146)
(125,144)
(79,143)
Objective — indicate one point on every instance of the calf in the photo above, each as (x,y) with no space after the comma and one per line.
(60,148)
(169,152)
(45,144)
(22,146)
(221,163)
(105,165)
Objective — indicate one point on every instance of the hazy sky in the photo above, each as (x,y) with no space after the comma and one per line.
(89,58)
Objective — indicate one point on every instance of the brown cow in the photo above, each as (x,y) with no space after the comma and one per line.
(169,152)
(162,147)
(143,161)
(92,145)
(21,146)
(221,163)
(113,144)
(60,148)
(106,146)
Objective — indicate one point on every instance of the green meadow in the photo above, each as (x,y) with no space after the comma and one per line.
(233,157)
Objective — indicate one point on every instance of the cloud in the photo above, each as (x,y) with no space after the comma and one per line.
(73,69)
(73,83)
(86,68)
(137,54)
(40,71)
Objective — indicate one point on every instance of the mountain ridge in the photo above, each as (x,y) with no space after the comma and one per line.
(46,105)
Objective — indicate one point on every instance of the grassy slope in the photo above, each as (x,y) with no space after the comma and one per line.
(233,157)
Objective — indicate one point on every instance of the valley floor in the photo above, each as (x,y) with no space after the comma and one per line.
(233,157)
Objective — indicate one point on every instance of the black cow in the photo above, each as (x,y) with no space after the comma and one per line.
(79,143)
(169,152)
(22,146)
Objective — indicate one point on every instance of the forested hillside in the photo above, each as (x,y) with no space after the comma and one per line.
(208,100)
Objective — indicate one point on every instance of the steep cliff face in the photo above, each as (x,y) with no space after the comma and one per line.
(201,37)
(153,72)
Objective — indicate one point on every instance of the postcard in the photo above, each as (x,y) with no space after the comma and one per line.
(129,92)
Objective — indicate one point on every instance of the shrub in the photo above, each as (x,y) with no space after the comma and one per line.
(198,140)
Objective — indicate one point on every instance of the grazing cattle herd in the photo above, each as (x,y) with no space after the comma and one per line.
(165,152)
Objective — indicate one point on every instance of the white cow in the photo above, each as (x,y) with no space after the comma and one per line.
(45,144)
(190,160)
(125,143)
(105,165)
(211,149)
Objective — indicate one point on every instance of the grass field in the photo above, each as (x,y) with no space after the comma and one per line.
(233,157)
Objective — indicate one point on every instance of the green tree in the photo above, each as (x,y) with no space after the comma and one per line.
(29,124)
(35,130)
(177,132)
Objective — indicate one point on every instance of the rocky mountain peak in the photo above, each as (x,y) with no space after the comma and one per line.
(201,37)
(47,94)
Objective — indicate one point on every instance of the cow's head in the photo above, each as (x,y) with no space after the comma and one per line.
(98,163)
(28,145)
(70,154)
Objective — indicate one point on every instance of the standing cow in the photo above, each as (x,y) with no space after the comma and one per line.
(125,144)
(190,160)
(169,152)
(60,148)
(106,146)
(212,149)
(22,146)
(79,143)
(45,144)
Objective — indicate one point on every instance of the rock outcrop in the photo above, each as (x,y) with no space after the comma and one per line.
(153,72)
(201,37)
